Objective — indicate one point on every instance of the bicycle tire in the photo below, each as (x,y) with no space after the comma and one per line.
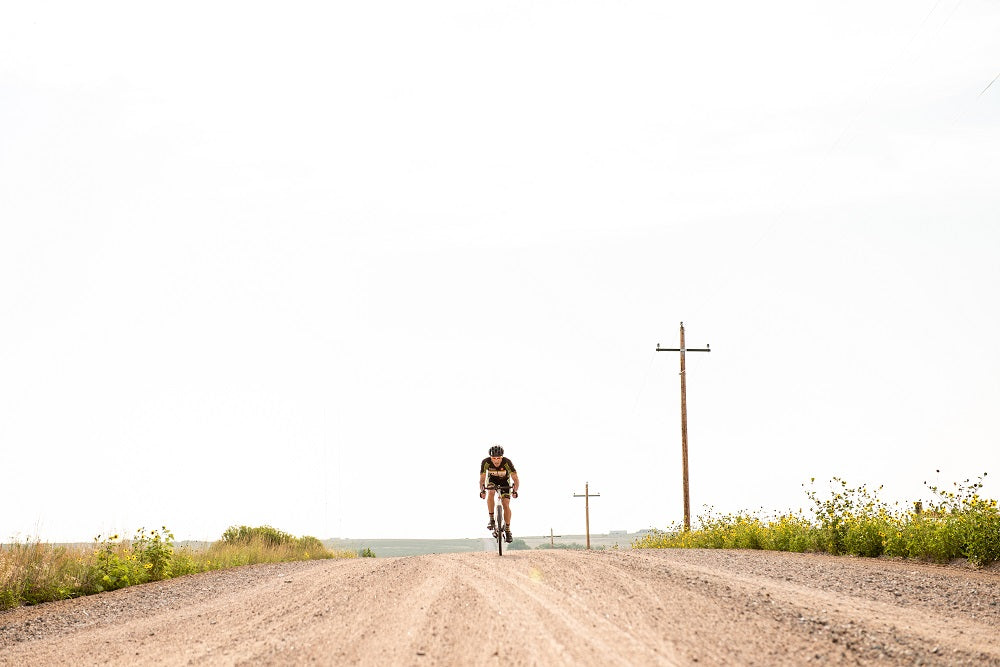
(500,529)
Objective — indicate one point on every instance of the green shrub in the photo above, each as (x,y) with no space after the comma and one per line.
(789,532)
(9,599)
(957,523)
(981,533)
(155,552)
(115,565)
(265,534)
(311,546)
(864,537)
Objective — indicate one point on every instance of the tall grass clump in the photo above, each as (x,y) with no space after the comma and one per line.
(32,572)
(957,523)
(244,545)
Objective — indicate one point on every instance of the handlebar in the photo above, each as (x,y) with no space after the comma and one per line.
(494,487)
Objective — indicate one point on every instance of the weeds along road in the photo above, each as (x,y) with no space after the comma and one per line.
(531,608)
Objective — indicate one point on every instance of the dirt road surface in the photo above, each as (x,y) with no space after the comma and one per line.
(669,607)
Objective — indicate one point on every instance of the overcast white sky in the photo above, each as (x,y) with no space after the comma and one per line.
(302,263)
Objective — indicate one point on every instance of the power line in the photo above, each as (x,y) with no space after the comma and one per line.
(988,86)
(645,379)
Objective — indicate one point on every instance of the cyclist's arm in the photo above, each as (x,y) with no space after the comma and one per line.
(517,482)
(482,481)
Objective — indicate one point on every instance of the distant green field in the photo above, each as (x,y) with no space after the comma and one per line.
(393,547)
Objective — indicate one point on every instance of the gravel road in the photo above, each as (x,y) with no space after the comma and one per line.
(661,607)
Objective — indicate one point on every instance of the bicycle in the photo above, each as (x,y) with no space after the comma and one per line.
(499,533)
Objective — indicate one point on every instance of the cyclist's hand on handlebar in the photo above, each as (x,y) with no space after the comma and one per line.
(482,493)
(513,494)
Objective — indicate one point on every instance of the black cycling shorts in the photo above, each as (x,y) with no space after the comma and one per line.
(503,489)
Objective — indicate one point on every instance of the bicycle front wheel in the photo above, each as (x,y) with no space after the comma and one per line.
(500,529)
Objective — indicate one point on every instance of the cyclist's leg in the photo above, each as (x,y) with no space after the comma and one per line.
(505,498)
(490,504)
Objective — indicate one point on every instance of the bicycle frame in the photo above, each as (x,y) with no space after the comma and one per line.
(501,525)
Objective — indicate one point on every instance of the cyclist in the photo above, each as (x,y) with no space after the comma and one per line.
(500,471)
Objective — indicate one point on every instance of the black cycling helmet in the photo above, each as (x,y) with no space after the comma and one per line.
(496,450)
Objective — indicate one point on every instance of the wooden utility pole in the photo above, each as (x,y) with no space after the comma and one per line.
(684,420)
(552,538)
(587,495)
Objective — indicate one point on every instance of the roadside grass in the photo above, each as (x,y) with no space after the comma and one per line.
(32,572)
(855,521)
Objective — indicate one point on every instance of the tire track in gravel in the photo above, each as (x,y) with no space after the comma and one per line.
(563,627)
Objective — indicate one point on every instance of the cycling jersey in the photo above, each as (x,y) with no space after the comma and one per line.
(499,475)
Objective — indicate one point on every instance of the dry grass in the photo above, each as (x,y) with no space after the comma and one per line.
(32,571)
